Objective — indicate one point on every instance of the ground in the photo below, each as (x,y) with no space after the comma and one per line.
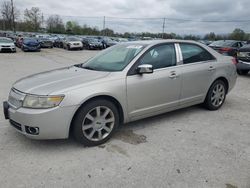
(191,147)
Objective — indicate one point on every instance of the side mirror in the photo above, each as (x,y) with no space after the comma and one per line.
(145,69)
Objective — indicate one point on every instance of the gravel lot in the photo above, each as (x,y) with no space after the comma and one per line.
(191,147)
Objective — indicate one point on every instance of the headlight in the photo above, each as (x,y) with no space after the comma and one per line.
(39,102)
(242,54)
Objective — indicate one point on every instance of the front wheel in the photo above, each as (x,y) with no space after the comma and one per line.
(216,95)
(95,122)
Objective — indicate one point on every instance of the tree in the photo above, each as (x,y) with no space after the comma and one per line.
(9,14)
(33,18)
(210,36)
(237,34)
(55,24)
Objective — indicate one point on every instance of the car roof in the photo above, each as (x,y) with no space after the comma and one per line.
(160,41)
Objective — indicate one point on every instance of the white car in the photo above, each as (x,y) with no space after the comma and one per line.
(72,43)
(7,45)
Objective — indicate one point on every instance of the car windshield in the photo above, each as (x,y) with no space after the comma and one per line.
(222,43)
(114,59)
(29,40)
(92,40)
(72,39)
(3,40)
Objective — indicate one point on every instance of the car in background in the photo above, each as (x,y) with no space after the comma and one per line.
(107,42)
(72,43)
(227,47)
(30,44)
(91,43)
(59,42)
(125,83)
(45,43)
(243,57)
(7,45)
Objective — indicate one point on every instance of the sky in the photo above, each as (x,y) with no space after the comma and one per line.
(182,16)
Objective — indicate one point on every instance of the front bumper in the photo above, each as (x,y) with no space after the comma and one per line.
(243,65)
(52,123)
(30,48)
(7,49)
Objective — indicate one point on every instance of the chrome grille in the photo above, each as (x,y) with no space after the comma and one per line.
(16,98)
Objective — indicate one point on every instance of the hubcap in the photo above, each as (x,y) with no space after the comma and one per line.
(218,95)
(98,123)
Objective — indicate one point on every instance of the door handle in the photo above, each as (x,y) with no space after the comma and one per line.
(211,68)
(173,75)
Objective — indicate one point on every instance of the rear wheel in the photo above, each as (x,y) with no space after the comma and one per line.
(216,95)
(95,122)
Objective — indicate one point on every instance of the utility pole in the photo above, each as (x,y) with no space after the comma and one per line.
(104,25)
(163,27)
(13,17)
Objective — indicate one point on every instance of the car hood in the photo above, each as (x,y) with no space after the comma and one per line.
(245,48)
(49,82)
(6,44)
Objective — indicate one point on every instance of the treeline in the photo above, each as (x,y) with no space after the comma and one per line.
(33,21)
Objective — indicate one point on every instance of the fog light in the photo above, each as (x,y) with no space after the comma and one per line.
(32,130)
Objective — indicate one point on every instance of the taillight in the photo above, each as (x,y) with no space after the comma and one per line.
(234,61)
(225,49)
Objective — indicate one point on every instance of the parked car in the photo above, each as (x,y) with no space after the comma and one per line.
(127,82)
(227,47)
(91,43)
(72,43)
(30,44)
(7,45)
(19,42)
(107,42)
(243,56)
(59,42)
(45,43)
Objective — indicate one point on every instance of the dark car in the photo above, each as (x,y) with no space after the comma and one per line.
(92,43)
(227,47)
(243,57)
(45,43)
(107,42)
(59,42)
(30,44)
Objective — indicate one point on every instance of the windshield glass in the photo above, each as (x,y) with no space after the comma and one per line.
(115,58)
(3,40)
(223,43)
(30,40)
(73,39)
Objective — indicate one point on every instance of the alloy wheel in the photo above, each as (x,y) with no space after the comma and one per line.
(218,95)
(98,123)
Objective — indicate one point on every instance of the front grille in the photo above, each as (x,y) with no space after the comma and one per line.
(76,43)
(18,126)
(6,46)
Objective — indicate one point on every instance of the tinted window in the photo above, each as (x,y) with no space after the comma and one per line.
(193,53)
(160,56)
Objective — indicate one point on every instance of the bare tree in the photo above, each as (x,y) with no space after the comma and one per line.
(55,24)
(9,14)
(33,18)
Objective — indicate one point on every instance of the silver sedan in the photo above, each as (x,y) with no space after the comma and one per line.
(124,83)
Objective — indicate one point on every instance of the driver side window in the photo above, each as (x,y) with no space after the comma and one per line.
(160,56)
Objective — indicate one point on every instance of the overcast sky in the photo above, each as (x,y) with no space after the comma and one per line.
(196,10)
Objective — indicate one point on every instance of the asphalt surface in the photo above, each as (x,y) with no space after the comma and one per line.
(191,147)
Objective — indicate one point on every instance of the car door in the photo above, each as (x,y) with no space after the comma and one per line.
(150,94)
(198,68)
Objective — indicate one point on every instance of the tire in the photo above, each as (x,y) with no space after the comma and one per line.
(97,131)
(216,95)
(242,72)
